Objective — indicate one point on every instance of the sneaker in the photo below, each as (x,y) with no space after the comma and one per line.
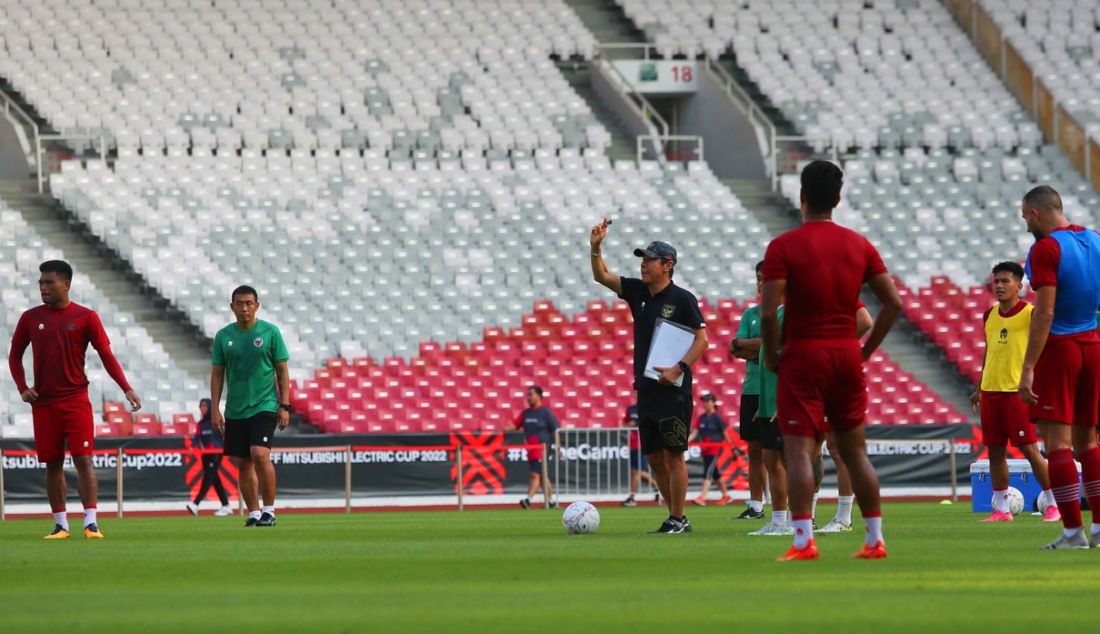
(725,500)
(772,528)
(998,516)
(878,551)
(671,526)
(630,501)
(91,531)
(58,533)
(266,519)
(223,511)
(700,501)
(192,508)
(687,524)
(808,552)
(1075,541)
(750,514)
(835,526)
(525,503)
(553,504)
(1052,514)
(251,521)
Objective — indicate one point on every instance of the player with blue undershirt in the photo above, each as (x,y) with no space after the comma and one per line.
(1060,379)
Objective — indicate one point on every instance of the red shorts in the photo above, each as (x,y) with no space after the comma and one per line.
(815,383)
(1005,420)
(1067,382)
(56,423)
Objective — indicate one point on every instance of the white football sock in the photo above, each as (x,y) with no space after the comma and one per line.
(254,514)
(1046,500)
(89,516)
(844,509)
(803,532)
(874,530)
(756,505)
(269,509)
(1095,529)
(779,518)
(1000,500)
(61,519)
(1070,532)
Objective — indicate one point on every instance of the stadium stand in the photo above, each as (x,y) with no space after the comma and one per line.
(410,196)
(167,389)
(936,152)
(1058,40)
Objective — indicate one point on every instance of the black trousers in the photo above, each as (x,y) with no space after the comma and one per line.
(210,478)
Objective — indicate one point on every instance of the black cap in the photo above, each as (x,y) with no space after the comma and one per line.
(657,249)
(709,397)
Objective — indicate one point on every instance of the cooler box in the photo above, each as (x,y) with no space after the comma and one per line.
(1019,476)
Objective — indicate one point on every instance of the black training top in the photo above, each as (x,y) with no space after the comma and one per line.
(672,304)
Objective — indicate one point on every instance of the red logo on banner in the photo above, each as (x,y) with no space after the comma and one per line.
(733,465)
(227,473)
(482,470)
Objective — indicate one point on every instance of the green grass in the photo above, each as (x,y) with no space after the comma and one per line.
(491,571)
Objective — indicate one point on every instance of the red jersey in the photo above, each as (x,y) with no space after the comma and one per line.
(59,338)
(825,266)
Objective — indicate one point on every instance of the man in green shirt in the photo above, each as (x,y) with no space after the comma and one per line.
(771,443)
(250,357)
(746,345)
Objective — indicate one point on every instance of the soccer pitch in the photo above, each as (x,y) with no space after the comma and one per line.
(514,570)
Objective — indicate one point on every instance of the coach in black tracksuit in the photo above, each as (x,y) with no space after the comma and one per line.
(664,410)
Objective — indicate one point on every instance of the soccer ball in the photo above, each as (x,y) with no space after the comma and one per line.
(581,518)
(1015,501)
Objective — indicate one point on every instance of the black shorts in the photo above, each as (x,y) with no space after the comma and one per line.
(534,466)
(770,438)
(664,416)
(749,430)
(637,460)
(242,434)
(710,468)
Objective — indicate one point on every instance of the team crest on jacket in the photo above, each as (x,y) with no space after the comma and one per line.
(258,342)
(70,327)
(667,310)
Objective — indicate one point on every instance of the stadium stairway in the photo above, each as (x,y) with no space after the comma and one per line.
(579,76)
(111,275)
(606,21)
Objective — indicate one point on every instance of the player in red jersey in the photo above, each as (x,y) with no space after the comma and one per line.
(1061,369)
(819,268)
(59,332)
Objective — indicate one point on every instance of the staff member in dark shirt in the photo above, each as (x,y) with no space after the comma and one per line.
(664,409)
(639,470)
(206,437)
(711,428)
(538,424)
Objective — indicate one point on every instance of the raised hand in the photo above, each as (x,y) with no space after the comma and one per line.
(599,232)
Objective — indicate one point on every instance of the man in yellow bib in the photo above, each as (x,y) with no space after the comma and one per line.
(1004,413)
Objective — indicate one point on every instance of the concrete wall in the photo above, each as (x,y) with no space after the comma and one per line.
(13,162)
(730,143)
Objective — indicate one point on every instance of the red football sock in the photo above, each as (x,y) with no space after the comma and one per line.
(1090,474)
(1065,483)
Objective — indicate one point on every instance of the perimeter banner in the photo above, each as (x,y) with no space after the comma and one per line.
(163,469)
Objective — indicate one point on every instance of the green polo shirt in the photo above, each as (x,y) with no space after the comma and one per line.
(769,382)
(749,328)
(249,358)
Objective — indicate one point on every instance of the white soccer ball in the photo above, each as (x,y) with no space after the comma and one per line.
(581,518)
(1015,501)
